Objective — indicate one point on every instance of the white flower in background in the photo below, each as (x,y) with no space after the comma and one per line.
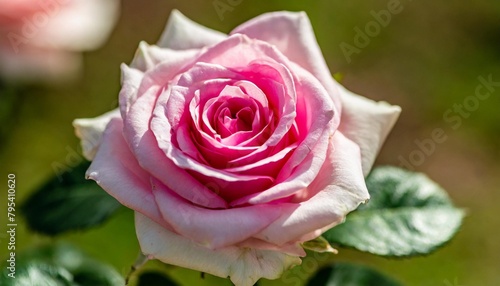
(42,39)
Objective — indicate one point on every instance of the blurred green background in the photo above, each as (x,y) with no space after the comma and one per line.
(427,59)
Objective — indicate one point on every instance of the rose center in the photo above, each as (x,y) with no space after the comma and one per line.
(234,115)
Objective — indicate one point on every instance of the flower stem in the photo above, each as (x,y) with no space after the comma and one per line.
(139,262)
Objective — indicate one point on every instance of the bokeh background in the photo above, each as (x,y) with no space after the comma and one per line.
(427,59)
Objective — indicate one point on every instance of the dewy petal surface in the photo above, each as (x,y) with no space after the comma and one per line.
(243,266)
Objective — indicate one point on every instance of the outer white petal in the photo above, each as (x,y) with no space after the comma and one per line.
(131,79)
(90,131)
(148,57)
(244,266)
(367,123)
(182,33)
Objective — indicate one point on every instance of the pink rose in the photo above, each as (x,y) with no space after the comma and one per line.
(234,149)
(41,39)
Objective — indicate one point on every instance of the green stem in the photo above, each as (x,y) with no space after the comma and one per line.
(139,262)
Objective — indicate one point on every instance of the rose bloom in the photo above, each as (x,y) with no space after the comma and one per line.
(235,149)
(42,39)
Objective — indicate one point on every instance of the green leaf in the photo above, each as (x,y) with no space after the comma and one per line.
(38,274)
(344,274)
(60,265)
(68,202)
(91,273)
(407,215)
(155,279)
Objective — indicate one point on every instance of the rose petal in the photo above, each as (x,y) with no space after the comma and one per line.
(116,170)
(307,159)
(367,123)
(176,102)
(149,56)
(149,85)
(181,33)
(270,165)
(173,105)
(172,176)
(317,119)
(292,34)
(337,190)
(90,131)
(299,179)
(143,144)
(131,79)
(212,228)
(136,83)
(244,266)
(293,248)
(239,51)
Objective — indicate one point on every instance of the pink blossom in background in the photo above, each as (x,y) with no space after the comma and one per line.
(235,149)
(43,39)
